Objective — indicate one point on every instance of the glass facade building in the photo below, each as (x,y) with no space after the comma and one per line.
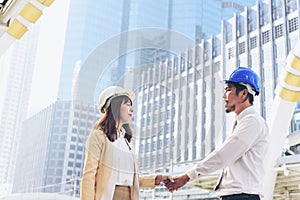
(92,23)
(180,106)
(16,72)
(89,24)
(56,137)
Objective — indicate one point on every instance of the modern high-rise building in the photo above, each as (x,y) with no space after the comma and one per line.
(63,124)
(16,72)
(90,24)
(52,147)
(180,114)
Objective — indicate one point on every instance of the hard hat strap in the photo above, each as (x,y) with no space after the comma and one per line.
(249,88)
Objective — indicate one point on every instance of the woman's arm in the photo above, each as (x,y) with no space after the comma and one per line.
(93,149)
(151,181)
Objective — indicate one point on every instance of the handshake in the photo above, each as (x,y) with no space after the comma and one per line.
(172,183)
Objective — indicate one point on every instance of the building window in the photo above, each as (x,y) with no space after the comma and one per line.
(67,106)
(70,164)
(182,65)
(230,52)
(252,21)
(277,9)
(278,31)
(241,28)
(78,165)
(58,114)
(78,156)
(293,24)
(65,122)
(242,47)
(216,47)
(163,72)
(266,37)
(169,72)
(291,6)
(58,173)
(64,130)
(253,42)
(175,61)
(66,114)
(228,32)
(264,12)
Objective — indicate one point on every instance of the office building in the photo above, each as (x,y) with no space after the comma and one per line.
(90,24)
(16,71)
(180,109)
(51,152)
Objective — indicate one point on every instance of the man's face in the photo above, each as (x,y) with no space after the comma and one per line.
(231,98)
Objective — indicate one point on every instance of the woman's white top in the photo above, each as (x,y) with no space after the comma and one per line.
(124,158)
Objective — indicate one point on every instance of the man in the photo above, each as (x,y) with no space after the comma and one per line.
(242,154)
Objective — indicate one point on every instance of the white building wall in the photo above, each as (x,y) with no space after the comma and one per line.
(260,47)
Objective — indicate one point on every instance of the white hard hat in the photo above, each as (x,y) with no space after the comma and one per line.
(109,93)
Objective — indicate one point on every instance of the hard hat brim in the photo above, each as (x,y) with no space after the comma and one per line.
(108,100)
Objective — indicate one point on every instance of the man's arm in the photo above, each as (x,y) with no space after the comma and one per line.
(243,137)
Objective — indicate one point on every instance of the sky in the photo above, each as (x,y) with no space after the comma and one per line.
(49,54)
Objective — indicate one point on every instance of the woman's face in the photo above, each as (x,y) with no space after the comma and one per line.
(126,111)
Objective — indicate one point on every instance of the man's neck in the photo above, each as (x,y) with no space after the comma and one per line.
(242,107)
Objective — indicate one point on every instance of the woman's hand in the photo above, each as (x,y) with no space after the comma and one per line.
(163,178)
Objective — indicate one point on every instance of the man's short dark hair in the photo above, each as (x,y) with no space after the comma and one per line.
(239,88)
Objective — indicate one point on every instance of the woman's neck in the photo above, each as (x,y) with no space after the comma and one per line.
(119,127)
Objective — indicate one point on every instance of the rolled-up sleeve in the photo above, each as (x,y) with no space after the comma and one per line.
(147,181)
(231,150)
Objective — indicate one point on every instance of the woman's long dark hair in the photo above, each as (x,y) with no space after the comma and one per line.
(107,123)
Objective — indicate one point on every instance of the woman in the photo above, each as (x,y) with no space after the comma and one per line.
(110,170)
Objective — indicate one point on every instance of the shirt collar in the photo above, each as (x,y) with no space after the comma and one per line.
(245,112)
(121,134)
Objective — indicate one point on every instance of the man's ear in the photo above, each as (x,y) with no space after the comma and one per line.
(244,93)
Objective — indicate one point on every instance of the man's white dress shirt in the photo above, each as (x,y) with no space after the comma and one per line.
(241,155)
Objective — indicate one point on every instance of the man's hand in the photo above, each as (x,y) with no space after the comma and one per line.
(177,182)
(162,178)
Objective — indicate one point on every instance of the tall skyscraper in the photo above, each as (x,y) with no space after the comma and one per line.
(89,24)
(52,147)
(180,115)
(17,66)
(92,23)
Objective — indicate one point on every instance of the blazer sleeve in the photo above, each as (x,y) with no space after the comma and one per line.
(147,181)
(93,150)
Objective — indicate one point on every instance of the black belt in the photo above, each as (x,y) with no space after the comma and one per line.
(241,196)
(123,186)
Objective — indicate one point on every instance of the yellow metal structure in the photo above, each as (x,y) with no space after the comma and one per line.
(21,15)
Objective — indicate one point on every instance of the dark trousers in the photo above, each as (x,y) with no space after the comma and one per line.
(242,196)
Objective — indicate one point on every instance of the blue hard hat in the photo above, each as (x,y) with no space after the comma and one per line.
(245,75)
